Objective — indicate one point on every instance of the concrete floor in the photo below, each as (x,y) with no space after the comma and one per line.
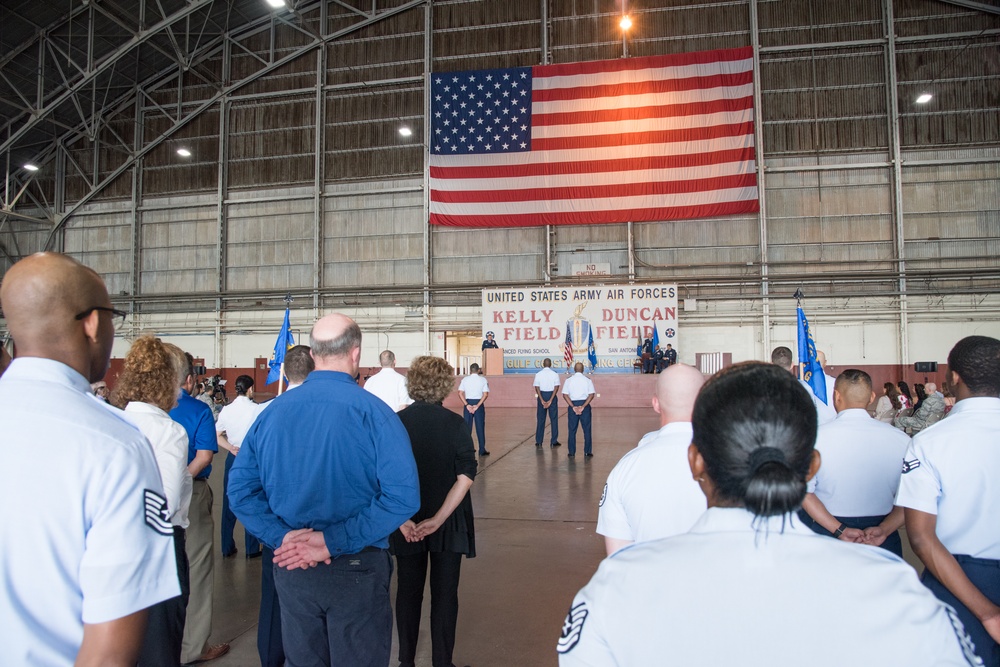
(536,513)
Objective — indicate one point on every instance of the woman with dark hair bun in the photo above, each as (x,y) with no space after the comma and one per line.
(751,585)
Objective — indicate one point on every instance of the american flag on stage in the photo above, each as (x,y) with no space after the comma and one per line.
(568,347)
(636,139)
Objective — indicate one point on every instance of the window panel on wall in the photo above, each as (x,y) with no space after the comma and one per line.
(103,242)
(374,240)
(269,245)
(178,249)
(272,143)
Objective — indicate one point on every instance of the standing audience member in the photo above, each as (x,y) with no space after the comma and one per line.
(951,495)
(578,392)
(749,585)
(650,493)
(888,403)
(145,390)
(387,384)
(234,422)
(474,390)
(546,403)
(199,425)
(325,474)
(100,389)
(207,396)
(852,496)
(930,412)
(782,356)
(442,530)
(87,547)
(298,365)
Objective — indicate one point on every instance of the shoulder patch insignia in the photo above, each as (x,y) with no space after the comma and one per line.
(156,513)
(910,465)
(604,496)
(572,628)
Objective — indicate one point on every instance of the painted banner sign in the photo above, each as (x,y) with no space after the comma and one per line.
(536,323)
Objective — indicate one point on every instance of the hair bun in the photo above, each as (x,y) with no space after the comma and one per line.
(762,455)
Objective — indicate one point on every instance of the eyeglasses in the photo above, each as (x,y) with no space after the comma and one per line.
(117,315)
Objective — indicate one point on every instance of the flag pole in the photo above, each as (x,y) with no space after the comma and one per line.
(798,304)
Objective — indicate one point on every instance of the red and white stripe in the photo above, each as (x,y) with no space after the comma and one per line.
(643,139)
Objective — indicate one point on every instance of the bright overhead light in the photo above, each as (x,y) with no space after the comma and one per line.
(924,98)
(405,131)
(277,4)
(625,23)
(30,167)
(183,152)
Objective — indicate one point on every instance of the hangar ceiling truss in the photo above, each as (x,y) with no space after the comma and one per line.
(62,82)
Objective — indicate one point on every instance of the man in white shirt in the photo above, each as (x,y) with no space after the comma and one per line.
(782,356)
(87,546)
(852,496)
(474,390)
(578,392)
(234,422)
(650,493)
(387,384)
(547,403)
(950,489)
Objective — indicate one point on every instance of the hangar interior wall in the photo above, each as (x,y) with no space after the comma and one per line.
(885,213)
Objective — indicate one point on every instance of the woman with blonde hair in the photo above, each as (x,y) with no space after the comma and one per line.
(442,529)
(146,390)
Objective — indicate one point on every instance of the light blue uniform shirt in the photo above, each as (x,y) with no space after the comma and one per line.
(85,536)
(735,591)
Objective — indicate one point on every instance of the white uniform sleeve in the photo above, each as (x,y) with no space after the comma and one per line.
(128,563)
(403,397)
(220,421)
(611,518)
(486,386)
(919,485)
(581,643)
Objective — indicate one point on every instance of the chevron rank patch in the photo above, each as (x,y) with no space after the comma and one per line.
(572,628)
(157,517)
(909,466)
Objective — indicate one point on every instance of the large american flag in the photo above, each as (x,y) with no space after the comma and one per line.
(637,139)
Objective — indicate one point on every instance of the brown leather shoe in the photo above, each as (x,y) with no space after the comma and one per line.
(213,652)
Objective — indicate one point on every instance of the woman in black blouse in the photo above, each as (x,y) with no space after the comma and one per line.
(442,529)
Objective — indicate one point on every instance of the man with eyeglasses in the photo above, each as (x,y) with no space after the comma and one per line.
(87,547)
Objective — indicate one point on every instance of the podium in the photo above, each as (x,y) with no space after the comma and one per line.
(493,361)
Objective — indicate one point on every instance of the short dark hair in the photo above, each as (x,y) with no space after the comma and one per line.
(547,363)
(755,427)
(244,383)
(976,359)
(854,384)
(298,363)
(474,368)
(340,346)
(190,366)
(782,356)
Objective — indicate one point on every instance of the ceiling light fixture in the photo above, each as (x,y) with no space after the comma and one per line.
(625,23)
(924,98)
(30,167)
(277,4)
(183,152)
(405,131)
